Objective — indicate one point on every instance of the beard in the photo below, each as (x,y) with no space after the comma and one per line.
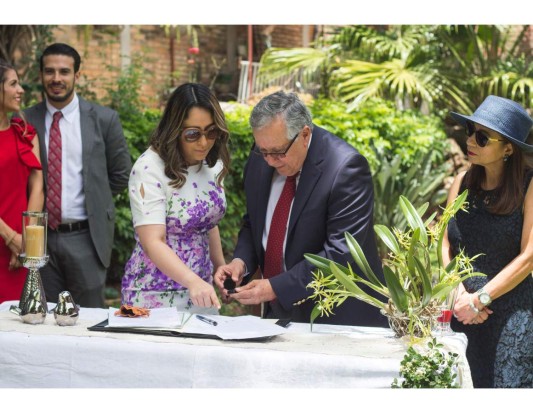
(59,98)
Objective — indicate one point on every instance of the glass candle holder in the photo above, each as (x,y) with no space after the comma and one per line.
(34,236)
(444,319)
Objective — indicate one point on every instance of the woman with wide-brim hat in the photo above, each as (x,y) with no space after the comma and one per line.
(496,311)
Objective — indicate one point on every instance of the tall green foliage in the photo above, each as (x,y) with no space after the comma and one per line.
(22,46)
(240,144)
(430,67)
(405,149)
(137,123)
(488,59)
(378,128)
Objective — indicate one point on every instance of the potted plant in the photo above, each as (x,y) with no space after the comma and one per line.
(416,281)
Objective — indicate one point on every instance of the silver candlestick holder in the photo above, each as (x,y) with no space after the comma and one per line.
(32,307)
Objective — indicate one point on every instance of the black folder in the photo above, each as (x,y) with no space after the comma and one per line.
(102,327)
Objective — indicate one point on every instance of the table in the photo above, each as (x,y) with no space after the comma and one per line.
(51,356)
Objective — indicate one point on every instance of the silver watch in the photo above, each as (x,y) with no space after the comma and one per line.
(484,297)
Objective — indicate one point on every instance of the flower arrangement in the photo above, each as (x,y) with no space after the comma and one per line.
(432,368)
(415,283)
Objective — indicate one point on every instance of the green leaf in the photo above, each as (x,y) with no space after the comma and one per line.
(451,265)
(387,237)
(352,287)
(430,218)
(397,293)
(426,283)
(323,263)
(413,219)
(441,290)
(412,247)
(315,313)
(357,253)
(381,289)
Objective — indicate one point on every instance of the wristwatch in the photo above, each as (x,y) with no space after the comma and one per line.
(484,297)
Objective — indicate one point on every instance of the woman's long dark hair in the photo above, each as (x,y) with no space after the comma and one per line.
(509,195)
(4,67)
(165,138)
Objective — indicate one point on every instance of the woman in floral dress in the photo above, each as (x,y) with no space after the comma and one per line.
(177,200)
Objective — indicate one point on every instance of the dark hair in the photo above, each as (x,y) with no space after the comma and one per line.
(164,139)
(509,195)
(61,49)
(4,67)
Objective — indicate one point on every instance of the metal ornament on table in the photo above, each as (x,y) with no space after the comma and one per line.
(66,312)
(32,306)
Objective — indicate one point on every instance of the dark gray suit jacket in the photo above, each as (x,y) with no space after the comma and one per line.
(106,166)
(334,196)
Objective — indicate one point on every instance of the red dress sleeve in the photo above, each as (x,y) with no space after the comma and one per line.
(24,144)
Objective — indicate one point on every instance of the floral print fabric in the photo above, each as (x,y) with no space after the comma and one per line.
(188,214)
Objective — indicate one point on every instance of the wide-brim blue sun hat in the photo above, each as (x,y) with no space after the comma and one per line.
(504,116)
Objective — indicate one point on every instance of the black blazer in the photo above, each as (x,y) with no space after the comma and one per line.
(334,196)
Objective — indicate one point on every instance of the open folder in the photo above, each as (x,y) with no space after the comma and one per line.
(170,322)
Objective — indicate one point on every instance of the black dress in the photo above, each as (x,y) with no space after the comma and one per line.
(500,351)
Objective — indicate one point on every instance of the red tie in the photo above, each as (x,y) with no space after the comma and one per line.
(278,228)
(53,193)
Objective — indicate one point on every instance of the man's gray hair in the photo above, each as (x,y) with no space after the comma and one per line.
(284,105)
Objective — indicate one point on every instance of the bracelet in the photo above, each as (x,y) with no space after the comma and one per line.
(472,306)
(8,242)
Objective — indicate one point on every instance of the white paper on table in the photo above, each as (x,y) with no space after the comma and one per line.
(168,318)
(234,328)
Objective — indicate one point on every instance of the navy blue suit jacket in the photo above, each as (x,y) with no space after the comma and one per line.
(334,195)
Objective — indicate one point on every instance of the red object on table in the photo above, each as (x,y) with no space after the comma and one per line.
(446,316)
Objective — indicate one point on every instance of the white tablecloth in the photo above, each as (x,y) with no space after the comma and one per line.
(51,356)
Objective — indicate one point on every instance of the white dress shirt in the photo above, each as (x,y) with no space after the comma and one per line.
(72,193)
(278,181)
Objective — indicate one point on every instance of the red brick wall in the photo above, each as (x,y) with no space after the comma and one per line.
(99,47)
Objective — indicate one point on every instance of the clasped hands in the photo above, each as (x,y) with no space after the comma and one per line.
(466,314)
(255,292)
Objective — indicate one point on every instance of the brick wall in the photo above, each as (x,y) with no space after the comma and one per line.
(100,46)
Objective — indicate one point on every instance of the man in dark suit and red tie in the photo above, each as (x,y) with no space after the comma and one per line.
(85,161)
(305,188)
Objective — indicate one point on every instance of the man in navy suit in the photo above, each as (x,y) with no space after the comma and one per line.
(95,164)
(334,195)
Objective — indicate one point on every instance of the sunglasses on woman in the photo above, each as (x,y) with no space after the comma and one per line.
(194,134)
(482,137)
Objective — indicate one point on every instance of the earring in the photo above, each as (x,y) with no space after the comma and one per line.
(505,158)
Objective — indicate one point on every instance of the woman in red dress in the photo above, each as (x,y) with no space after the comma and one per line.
(21,181)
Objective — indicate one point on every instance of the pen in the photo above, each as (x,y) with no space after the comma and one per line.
(206,320)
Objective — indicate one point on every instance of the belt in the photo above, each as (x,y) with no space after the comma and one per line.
(71,227)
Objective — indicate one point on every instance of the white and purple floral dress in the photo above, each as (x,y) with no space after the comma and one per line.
(188,213)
